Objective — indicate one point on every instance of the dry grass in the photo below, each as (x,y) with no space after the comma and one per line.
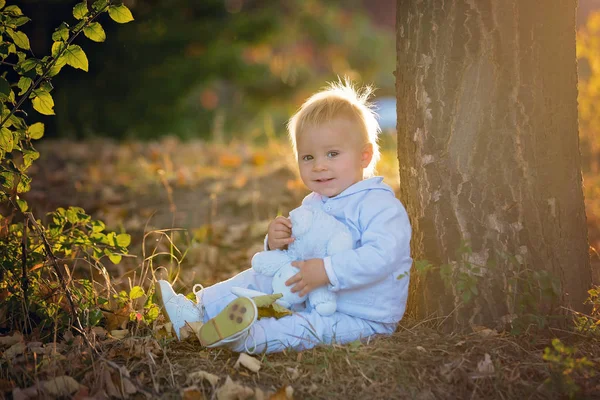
(231,192)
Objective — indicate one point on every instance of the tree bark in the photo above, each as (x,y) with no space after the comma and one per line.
(489,158)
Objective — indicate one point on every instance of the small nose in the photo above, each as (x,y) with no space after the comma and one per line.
(319,165)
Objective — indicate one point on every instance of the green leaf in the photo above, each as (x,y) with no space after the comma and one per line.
(76,58)
(14,10)
(80,10)
(28,64)
(4,87)
(43,102)
(95,32)
(120,14)
(19,21)
(2,3)
(24,84)
(72,216)
(6,140)
(61,62)
(24,184)
(22,204)
(20,39)
(136,293)
(29,156)
(99,5)
(115,258)
(98,226)
(57,48)
(123,239)
(61,33)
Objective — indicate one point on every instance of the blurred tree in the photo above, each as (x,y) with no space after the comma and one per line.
(489,159)
(183,66)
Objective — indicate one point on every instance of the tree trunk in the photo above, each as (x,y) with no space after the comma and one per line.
(489,158)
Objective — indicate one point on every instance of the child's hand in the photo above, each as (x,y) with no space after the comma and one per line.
(279,233)
(311,276)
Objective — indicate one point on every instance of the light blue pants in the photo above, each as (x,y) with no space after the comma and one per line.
(300,331)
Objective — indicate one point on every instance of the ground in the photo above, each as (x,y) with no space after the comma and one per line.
(206,207)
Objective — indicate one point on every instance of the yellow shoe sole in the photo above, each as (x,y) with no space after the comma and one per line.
(235,319)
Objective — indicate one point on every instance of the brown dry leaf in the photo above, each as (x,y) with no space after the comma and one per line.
(140,347)
(99,332)
(190,331)
(239,181)
(248,361)
(203,375)
(230,160)
(14,350)
(10,340)
(117,378)
(164,331)
(259,159)
(284,393)
(487,332)
(119,333)
(233,391)
(61,386)
(485,366)
(192,393)
(25,394)
(117,318)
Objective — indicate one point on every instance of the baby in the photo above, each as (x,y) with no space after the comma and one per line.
(334,136)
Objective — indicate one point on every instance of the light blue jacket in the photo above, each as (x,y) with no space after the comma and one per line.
(365,278)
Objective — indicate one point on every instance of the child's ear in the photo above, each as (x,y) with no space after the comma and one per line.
(366,155)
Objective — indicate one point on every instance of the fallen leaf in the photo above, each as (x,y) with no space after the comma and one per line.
(192,393)
(248,361)
(119,333)
(25,394)
(164,331)
(486,366)
(202,375)
(14,350)
(99,332)
(10,340)
(267,308)
(487,332)
(284,393)
(421,348)
(233,391)
(61,386)
(294,373)
(267,299)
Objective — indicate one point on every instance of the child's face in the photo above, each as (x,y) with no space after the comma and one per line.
(332,156)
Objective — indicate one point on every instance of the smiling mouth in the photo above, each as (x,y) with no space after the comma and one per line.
(323,180)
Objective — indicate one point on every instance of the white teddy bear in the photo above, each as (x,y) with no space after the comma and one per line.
(317,235)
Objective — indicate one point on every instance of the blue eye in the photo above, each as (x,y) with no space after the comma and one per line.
(332,154)
(307,158)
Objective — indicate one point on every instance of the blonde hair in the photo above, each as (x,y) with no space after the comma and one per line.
(339,99)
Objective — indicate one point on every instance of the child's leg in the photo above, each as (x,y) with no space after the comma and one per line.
(305,330)
(216,297)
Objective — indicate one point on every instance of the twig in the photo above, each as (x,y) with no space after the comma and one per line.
(61,278)
(24,280)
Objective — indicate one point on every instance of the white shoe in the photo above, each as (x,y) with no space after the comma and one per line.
(177,308)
